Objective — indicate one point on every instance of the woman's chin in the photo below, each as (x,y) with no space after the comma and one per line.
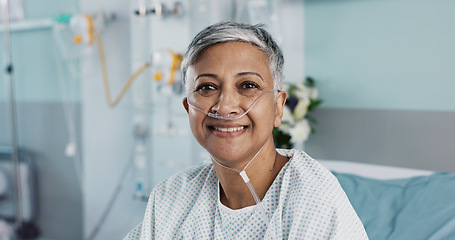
(232,157)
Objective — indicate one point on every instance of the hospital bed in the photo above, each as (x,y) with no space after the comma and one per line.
(399,203)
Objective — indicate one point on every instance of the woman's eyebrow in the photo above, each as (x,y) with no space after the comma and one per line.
(210,75)
(250,73)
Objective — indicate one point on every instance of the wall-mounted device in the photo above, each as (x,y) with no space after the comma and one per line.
(159,9)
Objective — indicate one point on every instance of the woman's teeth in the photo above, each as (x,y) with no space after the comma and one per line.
(229,129)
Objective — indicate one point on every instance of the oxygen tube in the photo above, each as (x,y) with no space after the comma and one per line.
(244,176)
(242,173)
(247,181)
(228,117)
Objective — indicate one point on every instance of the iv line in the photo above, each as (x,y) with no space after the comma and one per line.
(127,85)
(4,7)
(228,117)
(69,112)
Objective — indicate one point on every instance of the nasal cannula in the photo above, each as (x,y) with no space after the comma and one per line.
(217,115)
(242,173)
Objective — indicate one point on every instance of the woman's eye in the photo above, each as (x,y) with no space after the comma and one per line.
(206,89)
(249,85)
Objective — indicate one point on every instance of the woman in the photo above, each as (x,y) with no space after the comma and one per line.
(232,74)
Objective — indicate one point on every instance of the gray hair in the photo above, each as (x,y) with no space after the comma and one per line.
(223,32)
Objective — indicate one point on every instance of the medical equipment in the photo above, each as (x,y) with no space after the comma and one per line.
(106,78)
(166,63)
(82,25)
(87,31)
(28,201)
(242,173)
(217,115)
(13,121)
(159,9)
(86,26)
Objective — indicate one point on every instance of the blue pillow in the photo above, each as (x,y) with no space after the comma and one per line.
(414,208)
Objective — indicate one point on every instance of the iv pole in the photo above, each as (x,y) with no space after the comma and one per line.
(12,109)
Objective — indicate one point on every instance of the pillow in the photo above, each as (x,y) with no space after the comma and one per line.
(413,208)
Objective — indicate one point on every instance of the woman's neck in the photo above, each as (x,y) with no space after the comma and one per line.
(262,171)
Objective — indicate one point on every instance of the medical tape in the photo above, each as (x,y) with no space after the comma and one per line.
(228,117)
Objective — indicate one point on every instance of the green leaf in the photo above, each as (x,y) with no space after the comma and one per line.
(314,103)
(311,119)
(281,139)
(309,82)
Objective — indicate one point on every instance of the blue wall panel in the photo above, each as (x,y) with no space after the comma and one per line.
(382,54)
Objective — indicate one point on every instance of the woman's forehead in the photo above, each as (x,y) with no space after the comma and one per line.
(235,57)
(228,47)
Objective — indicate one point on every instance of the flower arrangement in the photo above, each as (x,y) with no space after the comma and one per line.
(296,123)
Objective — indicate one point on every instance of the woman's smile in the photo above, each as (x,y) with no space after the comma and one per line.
(227,130)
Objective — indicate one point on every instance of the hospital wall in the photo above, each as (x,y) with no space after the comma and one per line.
(385,70)
(108,138)
(41,124)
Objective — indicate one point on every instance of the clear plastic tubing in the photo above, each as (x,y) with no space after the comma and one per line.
(242,173)
(247,180)
(228,116)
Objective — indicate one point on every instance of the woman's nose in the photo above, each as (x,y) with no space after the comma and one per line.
(228,104)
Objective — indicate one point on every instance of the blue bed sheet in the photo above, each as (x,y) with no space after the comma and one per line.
(414,208)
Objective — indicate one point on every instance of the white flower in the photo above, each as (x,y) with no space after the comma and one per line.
(300,85)
(314,93)
(304,92)
(287,115)
(284,127)
(300,132)
(301,109)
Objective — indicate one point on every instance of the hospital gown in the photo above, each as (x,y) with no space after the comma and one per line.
(304,202)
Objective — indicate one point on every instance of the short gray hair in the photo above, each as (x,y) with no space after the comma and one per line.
(226,31)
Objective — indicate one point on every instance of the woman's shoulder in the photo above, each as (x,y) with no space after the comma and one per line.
(301,161)
(305,179)
(304,169)
(307,183)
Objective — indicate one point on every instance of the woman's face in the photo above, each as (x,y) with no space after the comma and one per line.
(226,79)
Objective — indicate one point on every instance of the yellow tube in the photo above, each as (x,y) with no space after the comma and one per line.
(176,61)
(127,85)
(90,28)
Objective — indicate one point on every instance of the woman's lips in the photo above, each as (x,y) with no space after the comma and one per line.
(228,131)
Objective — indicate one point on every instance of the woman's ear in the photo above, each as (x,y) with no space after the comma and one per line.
(279,105)
(185,103)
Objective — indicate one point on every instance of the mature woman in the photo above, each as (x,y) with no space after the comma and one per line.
(232,73)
